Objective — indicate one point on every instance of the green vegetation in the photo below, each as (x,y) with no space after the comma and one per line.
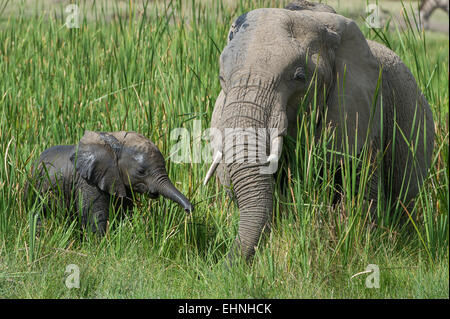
(158,71)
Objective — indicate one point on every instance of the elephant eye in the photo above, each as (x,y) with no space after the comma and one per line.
(299,74)
(141,171)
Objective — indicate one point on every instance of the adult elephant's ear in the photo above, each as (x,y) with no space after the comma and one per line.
(353,105)
(96,162)
(240,22)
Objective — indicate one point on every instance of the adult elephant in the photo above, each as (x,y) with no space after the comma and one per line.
(271,57)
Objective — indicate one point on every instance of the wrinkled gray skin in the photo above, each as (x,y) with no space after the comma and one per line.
(265,70)
(102,165)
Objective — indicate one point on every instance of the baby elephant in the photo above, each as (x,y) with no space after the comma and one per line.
(104,168)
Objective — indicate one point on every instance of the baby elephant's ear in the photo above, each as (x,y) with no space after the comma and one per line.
(96,162)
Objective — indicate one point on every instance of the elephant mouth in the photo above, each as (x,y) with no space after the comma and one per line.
(152,195)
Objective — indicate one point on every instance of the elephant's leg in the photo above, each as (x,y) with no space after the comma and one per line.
(401,186)
(368,177)
(372,197)
(407,162)
(372,178)
(98,221)
(122,207)
(95,210)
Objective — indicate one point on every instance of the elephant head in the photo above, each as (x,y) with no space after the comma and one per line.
(120,162)
(271,59)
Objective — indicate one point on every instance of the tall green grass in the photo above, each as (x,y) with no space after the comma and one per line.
(158,71)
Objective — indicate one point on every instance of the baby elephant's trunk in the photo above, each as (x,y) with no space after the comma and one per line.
(168,190)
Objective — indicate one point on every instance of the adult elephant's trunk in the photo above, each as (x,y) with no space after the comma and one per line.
(168,190)
(246,118)
(254,195)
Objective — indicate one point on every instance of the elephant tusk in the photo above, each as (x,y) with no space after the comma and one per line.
(272,158)
(275,149)
(213,167)
(275,153)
